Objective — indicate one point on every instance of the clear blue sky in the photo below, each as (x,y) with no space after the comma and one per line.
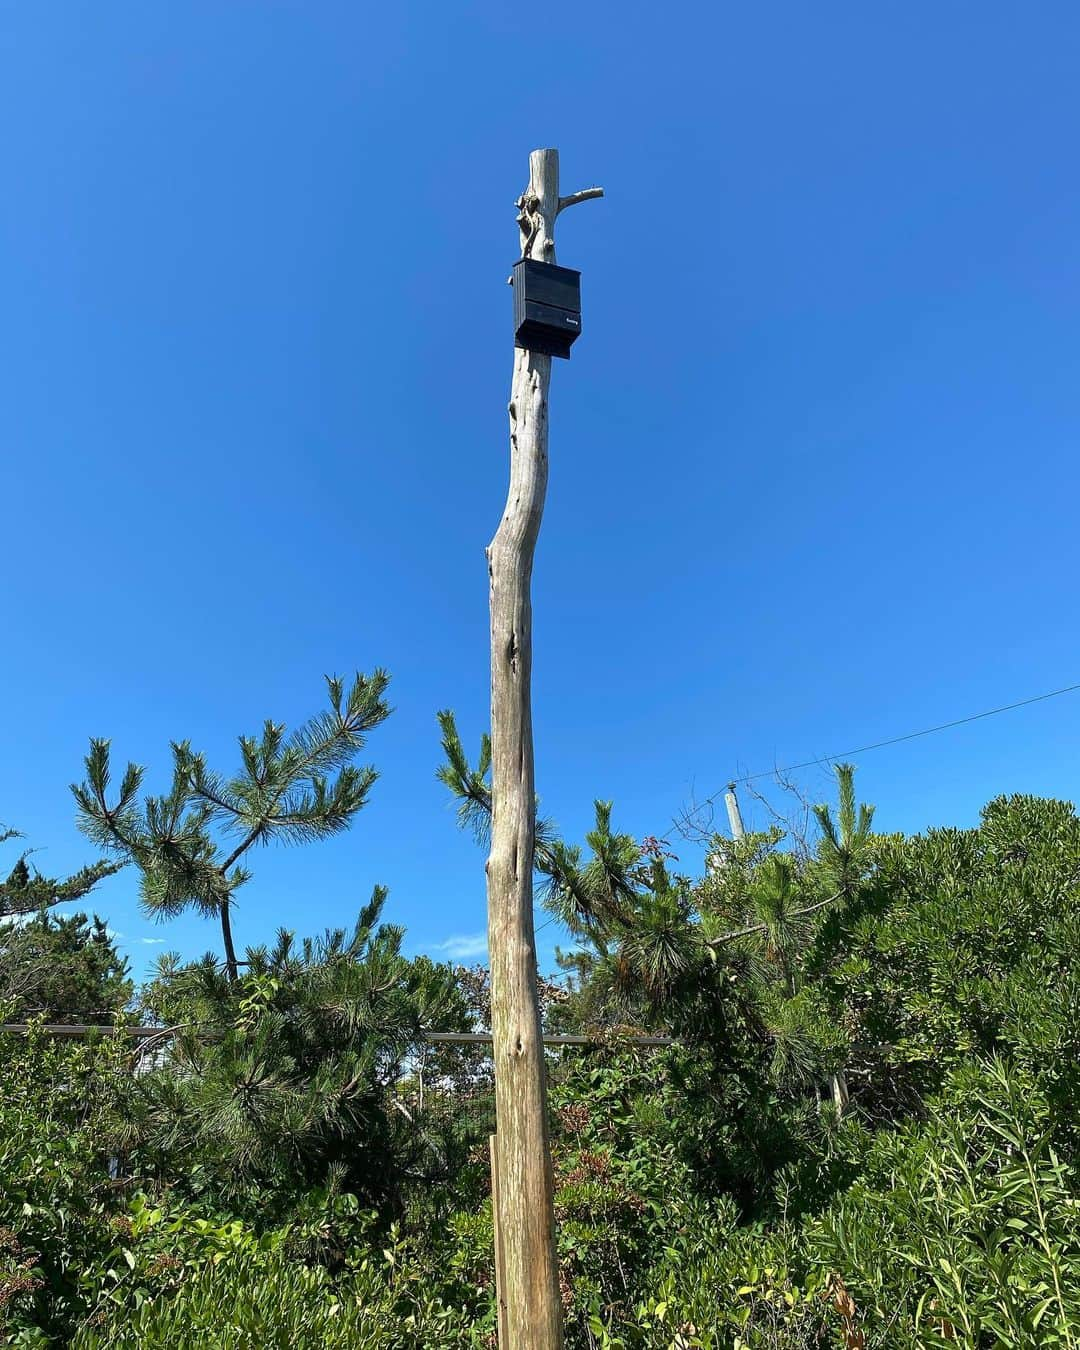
(814,462)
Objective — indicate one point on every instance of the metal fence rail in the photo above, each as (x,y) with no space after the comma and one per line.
(76,1030)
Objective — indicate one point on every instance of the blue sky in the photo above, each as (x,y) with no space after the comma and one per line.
(814,462)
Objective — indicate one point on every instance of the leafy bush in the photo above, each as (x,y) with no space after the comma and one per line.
(964,1230)
(866,1136)
(287,1078)
(56,1199)
(177,1280)
(963,946)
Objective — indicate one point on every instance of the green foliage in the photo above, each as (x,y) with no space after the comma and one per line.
(623,1185)
(865,1134)
(178,1279)
(964,1229)
(649,1257)
(470,786)
(845,848)
(289,1077)
(963,946)
(62,968)
(55,1195)
(291,788)
(26,891)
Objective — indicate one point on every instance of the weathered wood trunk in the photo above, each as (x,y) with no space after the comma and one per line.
(524,1192)
(734,815)
(500,1268)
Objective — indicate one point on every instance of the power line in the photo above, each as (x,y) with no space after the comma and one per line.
(895,740)
(865,749)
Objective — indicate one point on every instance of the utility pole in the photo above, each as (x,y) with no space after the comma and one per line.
(523,1193)
(734,815)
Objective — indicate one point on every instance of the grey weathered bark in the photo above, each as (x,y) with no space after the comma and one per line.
(503,1332)
(734,815)
(524,1192)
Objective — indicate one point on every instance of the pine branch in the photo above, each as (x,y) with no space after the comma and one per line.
(322,809)
(110,827)
(299,788)
(468,785)
(325,742)
(764,927)
(19,896)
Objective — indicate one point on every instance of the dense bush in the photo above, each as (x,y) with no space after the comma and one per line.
(287,1077)
(964,945)
(177,1279)
(964,1229)
(865,1135)
(63,968)
(56,1196)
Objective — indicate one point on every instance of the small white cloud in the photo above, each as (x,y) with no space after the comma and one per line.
(463,947)
(151,942)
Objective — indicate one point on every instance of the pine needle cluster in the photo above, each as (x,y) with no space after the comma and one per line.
(652,949)
(190,842)
(287,1077)
(26,891)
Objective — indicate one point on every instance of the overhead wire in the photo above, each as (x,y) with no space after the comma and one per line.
(892,740)
(865,749)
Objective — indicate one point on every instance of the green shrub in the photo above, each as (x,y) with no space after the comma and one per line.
(176,1279)
(964,1230)
(56,1201)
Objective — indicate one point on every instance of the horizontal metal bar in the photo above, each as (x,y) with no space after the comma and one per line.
(76,1030)
(484,1038)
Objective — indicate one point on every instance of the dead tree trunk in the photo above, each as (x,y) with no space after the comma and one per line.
(502,1334)
(524,1191)
(734,815)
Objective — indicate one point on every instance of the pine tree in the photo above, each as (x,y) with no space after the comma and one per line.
(648,944)
(190,843)
(770,908)
(291,1076)
(64,968)
(629,916)
(26,891)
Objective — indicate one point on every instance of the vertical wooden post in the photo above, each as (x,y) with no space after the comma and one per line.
(500,1256)
(734,815)
(524,1197)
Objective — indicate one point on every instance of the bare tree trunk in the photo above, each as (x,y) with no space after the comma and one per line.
(524,1192)
(500,1268)
(734,815)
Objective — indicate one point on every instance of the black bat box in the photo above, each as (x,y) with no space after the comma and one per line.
(547,307)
